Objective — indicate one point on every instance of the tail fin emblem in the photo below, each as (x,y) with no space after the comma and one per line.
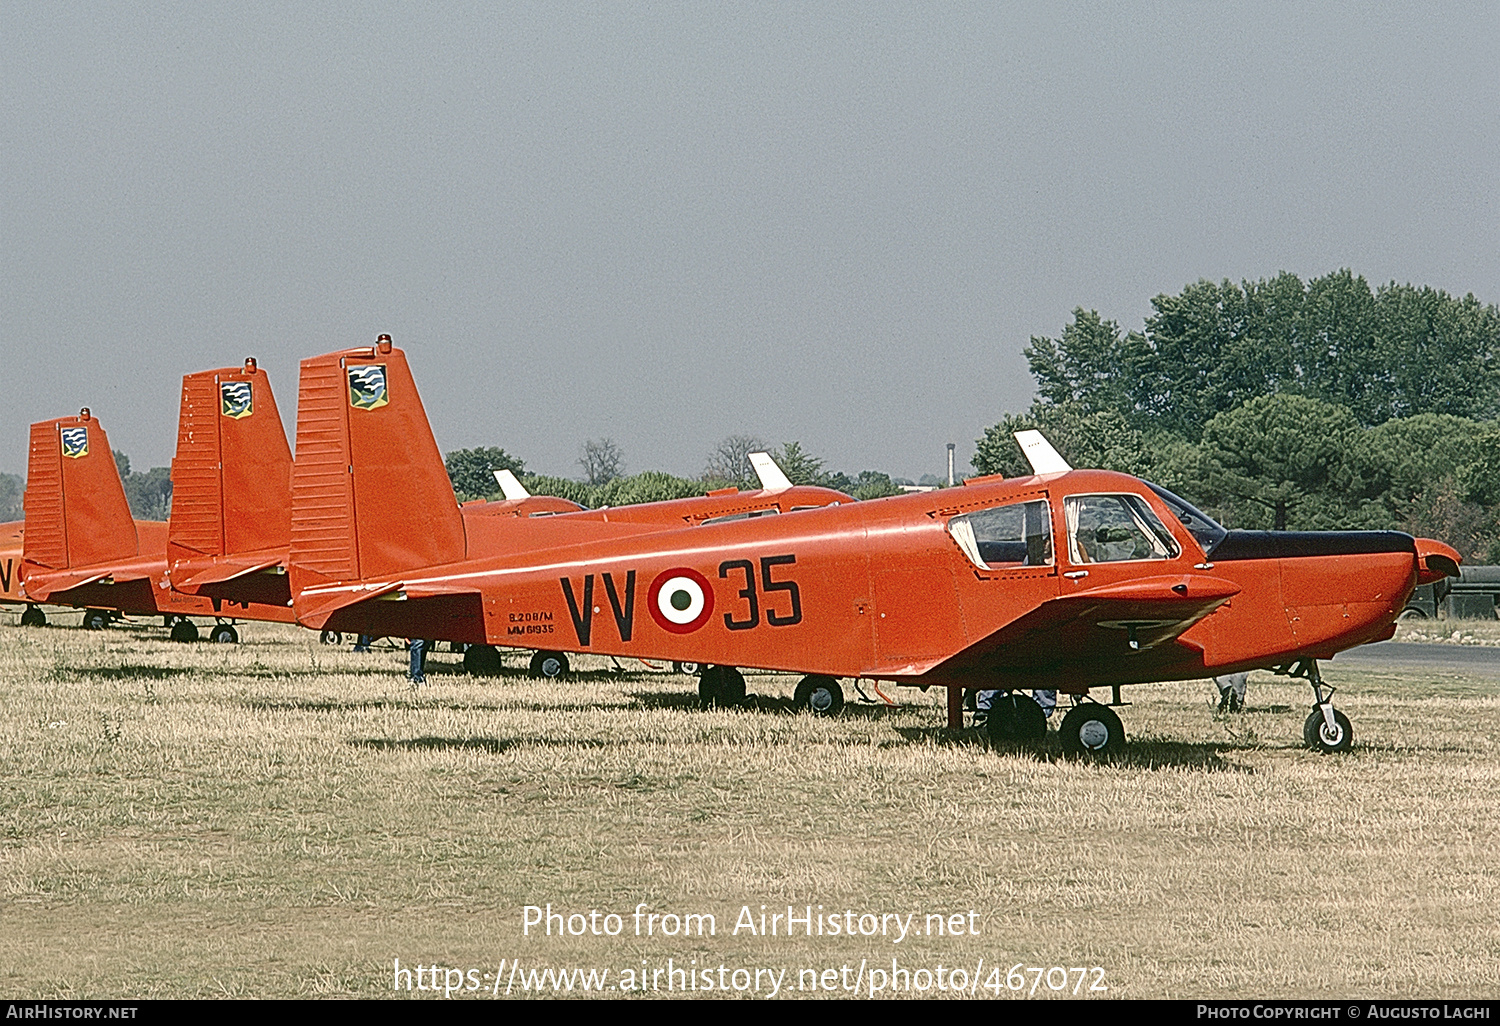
(75,442)
(237,399)
(367,387)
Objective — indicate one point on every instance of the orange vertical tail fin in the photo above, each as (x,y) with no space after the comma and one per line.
(232,475)
(371,498)
(76,510)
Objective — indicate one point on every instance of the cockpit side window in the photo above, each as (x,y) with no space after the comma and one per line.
(1115,528)
(1006,536)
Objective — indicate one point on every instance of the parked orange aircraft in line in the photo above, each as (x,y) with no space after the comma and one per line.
(229,533)
(1065,579)
(82,548)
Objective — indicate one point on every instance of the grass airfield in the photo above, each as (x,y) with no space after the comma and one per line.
(280,818)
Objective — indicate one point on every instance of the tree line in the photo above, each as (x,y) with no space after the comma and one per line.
(1283,405)
(605,483)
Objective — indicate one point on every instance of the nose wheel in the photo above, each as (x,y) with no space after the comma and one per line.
(1326,729)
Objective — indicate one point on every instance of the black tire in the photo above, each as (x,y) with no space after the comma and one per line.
(224,634)
(1411,613)
(549,665)
(482,660)
(1319,738)
(32,616)
(819,695)
(95,620)
(331,638)
(1093,730)
(1016,717)
(691,669)
(721,686)
(184,630)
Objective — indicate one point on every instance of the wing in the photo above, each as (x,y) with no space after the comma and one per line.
(1100,625)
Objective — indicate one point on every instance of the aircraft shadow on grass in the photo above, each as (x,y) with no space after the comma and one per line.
(128,672)
(492,745)
(1147,755)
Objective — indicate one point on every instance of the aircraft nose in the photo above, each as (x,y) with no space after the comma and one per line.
(1435,560)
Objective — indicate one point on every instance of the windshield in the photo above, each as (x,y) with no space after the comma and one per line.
(1204,529)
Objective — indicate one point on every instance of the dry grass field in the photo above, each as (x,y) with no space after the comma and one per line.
(280,818)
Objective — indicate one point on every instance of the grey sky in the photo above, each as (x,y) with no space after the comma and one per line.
(837,224)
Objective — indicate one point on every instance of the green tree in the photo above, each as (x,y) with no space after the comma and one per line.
(149,494)
(472,471)
(800,466)
(1281,462)
(585,495)
(872,484)
(1091,366)
(1394,352)
(1438,354)
(1104,440)
(647,486)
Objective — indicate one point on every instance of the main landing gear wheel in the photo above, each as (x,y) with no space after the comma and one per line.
(1322,738)
(722,686)
(331,638)
(691,669)
(224,633)
(1092,729)
(1016,717)
(482,660)
(33,617)
(819,695)
(95,620)
(549,665)
(184,630)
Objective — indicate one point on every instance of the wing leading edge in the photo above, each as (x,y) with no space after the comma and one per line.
(1100,626)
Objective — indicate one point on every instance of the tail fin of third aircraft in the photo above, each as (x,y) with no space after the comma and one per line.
(370,495)
(232,475)
(76,510)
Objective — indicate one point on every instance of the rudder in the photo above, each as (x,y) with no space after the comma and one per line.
(76,510)
(231,476)
(371,497)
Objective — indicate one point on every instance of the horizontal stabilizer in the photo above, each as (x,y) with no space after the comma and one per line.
(190,575)
(1039,453)
(316,605)
(772,478)
(511,486)
(42,587)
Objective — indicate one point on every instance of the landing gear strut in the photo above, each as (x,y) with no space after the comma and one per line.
(1326,729)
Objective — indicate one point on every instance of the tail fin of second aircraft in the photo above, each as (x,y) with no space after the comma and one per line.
(371,497)
(76,510)
(232,475)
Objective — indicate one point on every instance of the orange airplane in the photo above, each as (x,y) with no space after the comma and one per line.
(82,548)
(229,533)
(1066,579)
(11,551)
(230,526)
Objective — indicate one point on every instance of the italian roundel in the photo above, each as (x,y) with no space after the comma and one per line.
(680,600)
